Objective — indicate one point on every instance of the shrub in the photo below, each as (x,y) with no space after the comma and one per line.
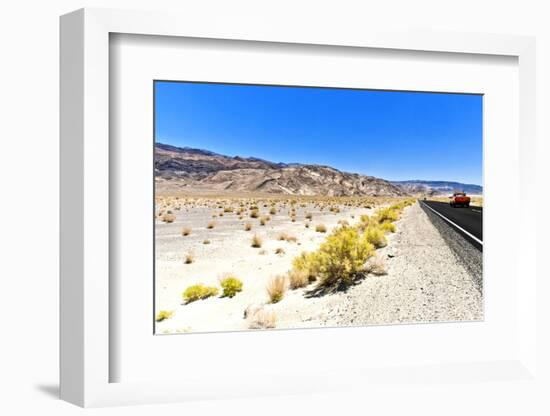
(189,258)
(341,257)
(388,227)
(256,241)
(376,236)
(168,217)
(262,252)
(309,216)
(254,213)
(272,211)
(308,264)
(298,279)
(387,214)
(231,286)
(279,250)
(206,241)
(211,225)
(186,231)
(197,292)
(263,220)
(276,288)
(247,226)
(307,224)
(321,228)
(228,209)
(162,315)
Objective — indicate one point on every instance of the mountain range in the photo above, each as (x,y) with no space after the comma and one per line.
(420,187)
(202,171)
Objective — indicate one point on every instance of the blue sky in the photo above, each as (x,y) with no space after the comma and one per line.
(391,135)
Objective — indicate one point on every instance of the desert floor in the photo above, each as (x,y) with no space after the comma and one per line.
(426,279)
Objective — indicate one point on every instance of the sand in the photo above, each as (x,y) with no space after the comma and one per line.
(428,279)
(230,251)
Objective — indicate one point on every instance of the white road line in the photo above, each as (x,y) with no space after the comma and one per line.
(475,210)
(455,225)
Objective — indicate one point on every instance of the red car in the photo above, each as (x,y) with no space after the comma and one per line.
(460,199)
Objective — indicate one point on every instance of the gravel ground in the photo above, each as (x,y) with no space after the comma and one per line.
(433,275)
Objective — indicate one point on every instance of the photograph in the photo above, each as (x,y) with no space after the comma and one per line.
(287,206)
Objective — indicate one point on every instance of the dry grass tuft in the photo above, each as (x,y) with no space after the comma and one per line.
(247,226)
(286,237)
(186,231)
(377,266)
(262,319)
(168,217)
(211,225)
(276,288)
(189,258)
(321,228)
(298,279)
(256,241)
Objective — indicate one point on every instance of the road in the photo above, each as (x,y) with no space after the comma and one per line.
(466,221)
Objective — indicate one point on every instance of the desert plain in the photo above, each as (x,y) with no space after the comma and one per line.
(413,276)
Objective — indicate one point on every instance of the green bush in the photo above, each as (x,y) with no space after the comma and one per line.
(307,263)
(388,227)
(231,286)
(197,292)
(340,258)
(162,315)
(387,215)
(375,235)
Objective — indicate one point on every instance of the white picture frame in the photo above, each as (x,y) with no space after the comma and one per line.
(85,220)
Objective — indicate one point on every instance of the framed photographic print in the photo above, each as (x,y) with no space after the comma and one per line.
(293,207)
(240,208)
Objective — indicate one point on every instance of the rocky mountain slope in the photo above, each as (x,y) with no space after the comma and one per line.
(195,170)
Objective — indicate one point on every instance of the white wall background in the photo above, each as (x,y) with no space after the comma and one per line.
(29,200)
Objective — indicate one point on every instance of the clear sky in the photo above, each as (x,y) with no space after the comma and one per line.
(387,134)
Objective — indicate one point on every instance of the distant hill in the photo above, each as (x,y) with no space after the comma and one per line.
(419,187)
(196,170)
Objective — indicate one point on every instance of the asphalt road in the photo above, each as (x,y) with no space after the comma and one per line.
(467,221)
